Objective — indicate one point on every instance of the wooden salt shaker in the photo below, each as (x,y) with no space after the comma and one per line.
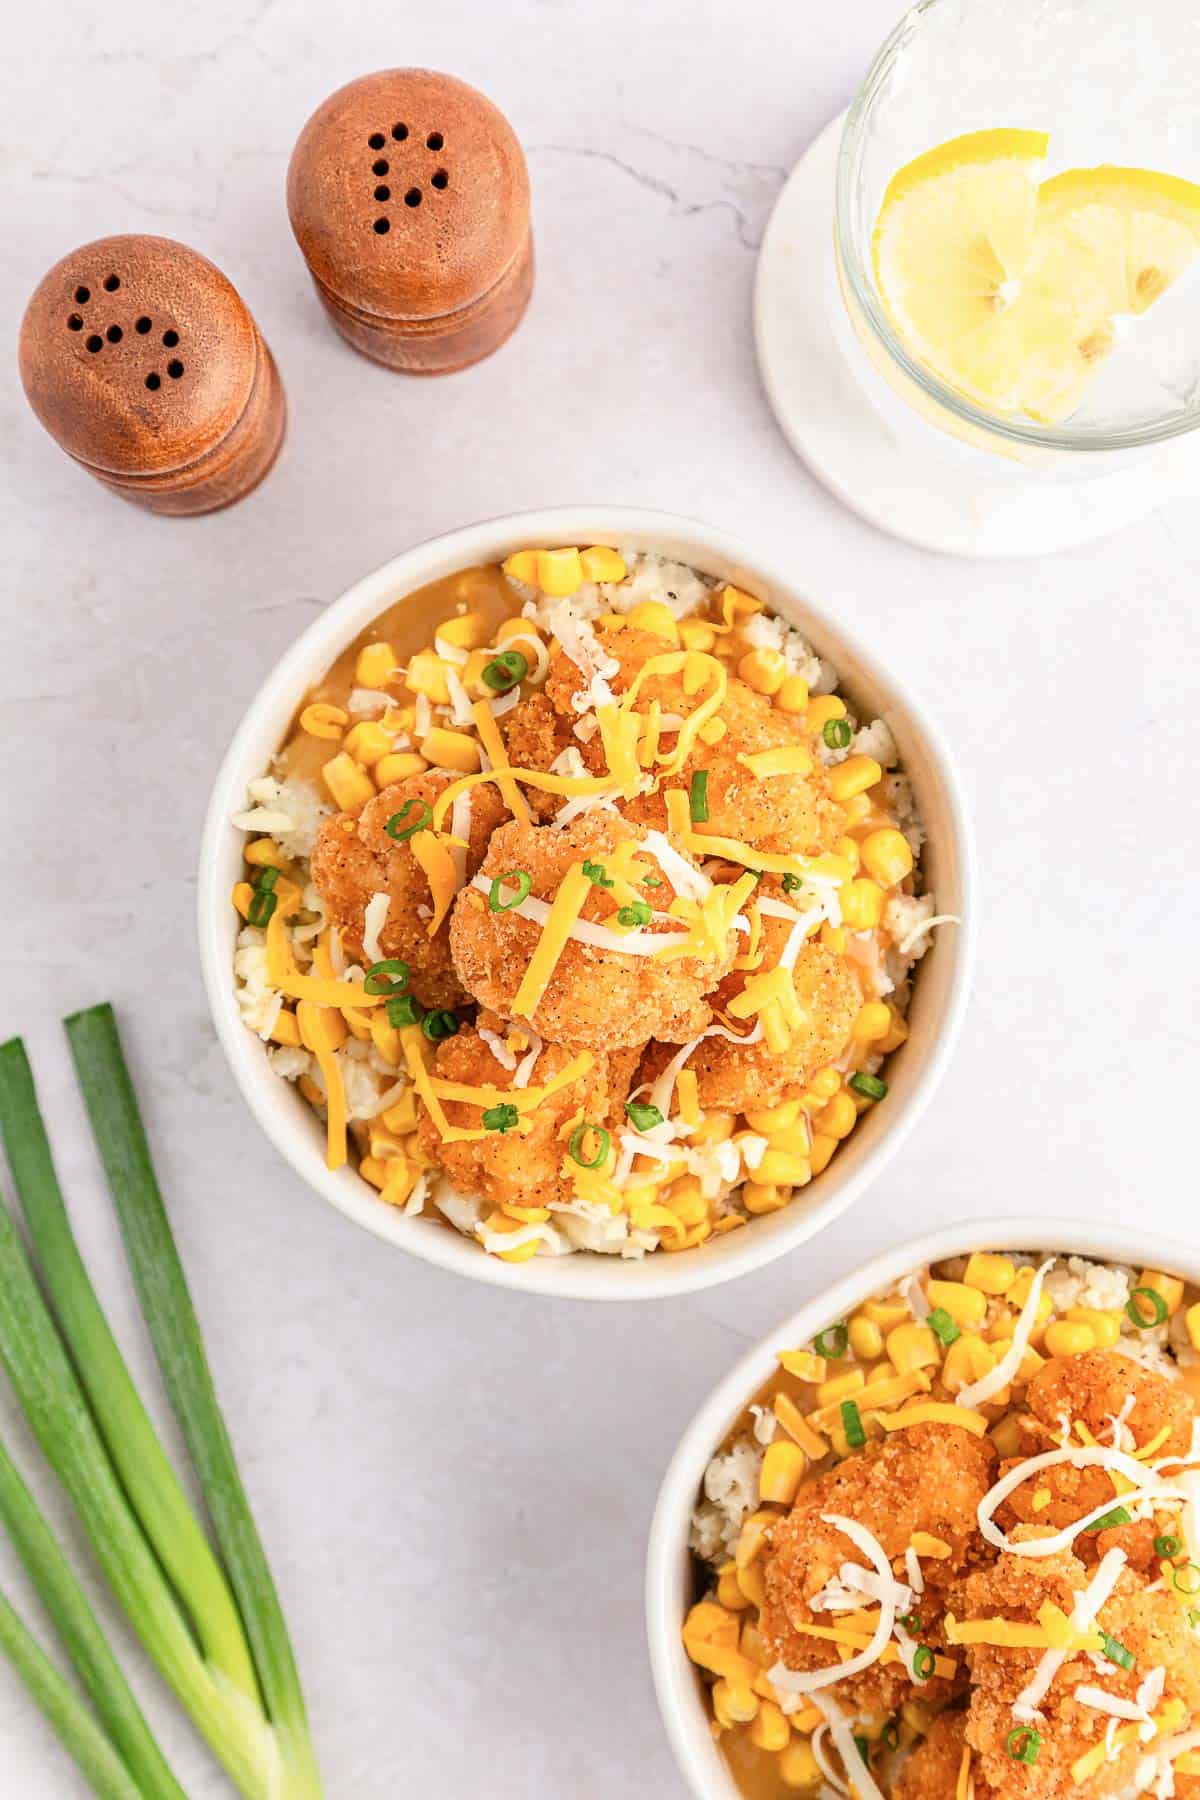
(409,197)
(143,363)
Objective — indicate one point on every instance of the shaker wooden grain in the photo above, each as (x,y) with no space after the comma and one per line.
(144,364)
(409,197)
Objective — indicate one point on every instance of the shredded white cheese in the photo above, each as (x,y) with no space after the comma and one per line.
(374,919)
(1005,1370)
(797,1682)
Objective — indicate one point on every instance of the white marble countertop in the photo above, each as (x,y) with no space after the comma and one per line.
(455,1483)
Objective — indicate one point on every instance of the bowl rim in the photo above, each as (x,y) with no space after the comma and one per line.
(675,1682)
(577,1276)
(1015,428)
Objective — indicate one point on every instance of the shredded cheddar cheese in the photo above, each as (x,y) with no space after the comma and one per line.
(435,859)
(938,1412)
(568,904)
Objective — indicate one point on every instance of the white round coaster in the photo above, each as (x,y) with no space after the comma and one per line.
(830,420)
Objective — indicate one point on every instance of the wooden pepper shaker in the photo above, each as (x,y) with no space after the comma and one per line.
(409,197)
(144,364)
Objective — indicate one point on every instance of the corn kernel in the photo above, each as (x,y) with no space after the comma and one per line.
(657,618)
(897,1032)
(733,1702)
(402,1117)
(450,750)
(821,1154)
(887,856)
(466,631)
(686,1200)
(769,1119)
(770,1731)
(521,566)
(323,721)
(783,1168)
(862,904)
(852,777)
(285,1029)
(834,938)
(559,572)
(992,1274)
(1191,1319)
(1168,1287)
(349,784)
(783,1467)
(857,810)
(826,1083)
(1018,1293)
(714,1128)
(838,1117)
(401,1179)
(967,1360)
(242,897)
(793,695)
(600,563)
(427,675)
(694,634)
(887,1314)
(1066,1337)
(751,1582)
(764,1197)
(750,1543)
(1105,1326)
(912,1346)
(847,849)
(798,1766)
(840,1387)
(821,709)
(374,665)
(397,766)
(321,1027)
(764,670)
(967,1306)
(264,853)
(866,1339)
(874,1021)
(372,1170)
(367,742)
(311,1091)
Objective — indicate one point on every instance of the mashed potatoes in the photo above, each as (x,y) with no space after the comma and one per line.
(587,921)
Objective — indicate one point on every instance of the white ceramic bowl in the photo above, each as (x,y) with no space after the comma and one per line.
(940,990)
(669,1566)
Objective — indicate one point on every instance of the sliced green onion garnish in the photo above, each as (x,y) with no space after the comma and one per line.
(911,1621)
(792,883)
(868,1085)
(698,797)
(596,875)
(440,1025)
(832,1342)
(1135,1314)
(852,1425)
(638,912)
(1110,1520)
(863,1746)
(504,671)
(644,1116)
(837,733)
(1023,1744)
(422,817)
(1168,1546)
(387,977)
(404,1009)
(652,881)
(1116,1653)
(889,1737)
(923,1662)
(603,1141)
(517,878)
(264,900)
(943,1326)
(501,1118)
(1186,1579)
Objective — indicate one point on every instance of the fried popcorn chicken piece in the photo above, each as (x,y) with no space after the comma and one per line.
(354,858)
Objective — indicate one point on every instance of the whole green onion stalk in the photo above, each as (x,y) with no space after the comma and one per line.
(215,1629)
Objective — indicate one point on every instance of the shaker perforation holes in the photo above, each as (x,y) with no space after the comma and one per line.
(74,323)
(399,132)
(94,343)
(111,283)
(382,226)
(377,140)
(434,141)
(380,166)
(170,339)
(383,192)
(153,381)
(143,325)
(175,369)
(440,179)
(114,334)
(413,197)
(82,295)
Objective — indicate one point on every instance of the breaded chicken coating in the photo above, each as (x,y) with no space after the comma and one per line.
(736,1077)
(598,998)
(509,1168)
(928,1478)
(535,735)
(1095,1388)
(932,1771)
(1151,1626)
(354,858)
(788,814)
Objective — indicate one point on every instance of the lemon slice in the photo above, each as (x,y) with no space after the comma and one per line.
(1013,293)
(952,240)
